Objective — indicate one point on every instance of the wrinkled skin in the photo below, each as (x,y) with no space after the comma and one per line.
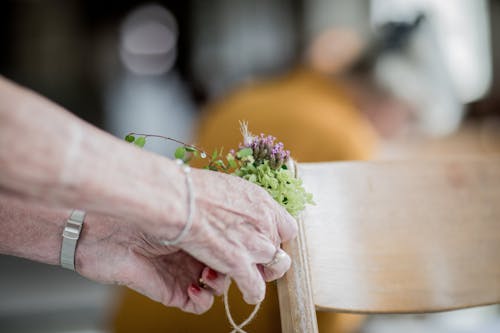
(111,253)
(237,230)
(233,233)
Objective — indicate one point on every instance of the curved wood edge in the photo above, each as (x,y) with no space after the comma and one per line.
(297,310)
(397,311)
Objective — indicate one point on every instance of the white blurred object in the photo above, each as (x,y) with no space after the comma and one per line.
(153,105)
(419,76)
(468,320)
(483,319)
(447,62)
(147,95)
(148,39)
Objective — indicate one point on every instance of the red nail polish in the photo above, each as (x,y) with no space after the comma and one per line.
(194,288)
(211,274)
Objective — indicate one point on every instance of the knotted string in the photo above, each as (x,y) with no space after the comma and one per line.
(238,328)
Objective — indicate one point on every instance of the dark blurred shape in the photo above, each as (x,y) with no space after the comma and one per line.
(236,41)
(391,37)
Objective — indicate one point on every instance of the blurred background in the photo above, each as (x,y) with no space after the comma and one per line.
(419,77)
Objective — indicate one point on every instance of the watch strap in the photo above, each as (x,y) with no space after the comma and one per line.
(71,234)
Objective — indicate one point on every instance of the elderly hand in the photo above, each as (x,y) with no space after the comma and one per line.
(234,232)
(111,251)
(237,228)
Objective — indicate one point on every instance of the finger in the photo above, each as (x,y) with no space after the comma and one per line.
(251,284)
(286,223)
(278,269)
(215,280)
(260,248)
(200,300)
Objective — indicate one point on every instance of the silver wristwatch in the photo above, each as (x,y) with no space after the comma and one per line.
(70,235)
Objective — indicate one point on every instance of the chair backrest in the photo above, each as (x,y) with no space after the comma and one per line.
(396,237)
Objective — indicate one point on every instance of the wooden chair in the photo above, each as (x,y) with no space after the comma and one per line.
(394,237)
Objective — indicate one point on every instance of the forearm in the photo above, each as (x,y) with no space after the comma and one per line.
(52,157)
(34,232)
(29,231)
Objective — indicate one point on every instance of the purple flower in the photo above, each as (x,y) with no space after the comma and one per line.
(264,148)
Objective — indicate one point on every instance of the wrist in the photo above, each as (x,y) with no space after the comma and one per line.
(136,185)
(186,169)
(165,207)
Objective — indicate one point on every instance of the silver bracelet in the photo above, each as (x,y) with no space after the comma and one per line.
(70,235)
(191,203)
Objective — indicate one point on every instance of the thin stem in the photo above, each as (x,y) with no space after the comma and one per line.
(211,162)
(171,139)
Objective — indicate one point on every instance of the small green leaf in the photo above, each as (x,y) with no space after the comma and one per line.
(180,152)
(129,138)
(140,141)
(215,154)
(190,149)
(244,152)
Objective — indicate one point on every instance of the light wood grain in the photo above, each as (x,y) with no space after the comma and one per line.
(297,310)
(399,237)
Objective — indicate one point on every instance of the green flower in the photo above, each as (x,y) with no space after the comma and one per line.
(287,190)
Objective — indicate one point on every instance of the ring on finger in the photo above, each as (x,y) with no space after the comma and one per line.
(202,284)
(278,255)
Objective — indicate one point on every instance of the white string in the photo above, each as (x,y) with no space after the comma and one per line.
(238,328)
(292,166)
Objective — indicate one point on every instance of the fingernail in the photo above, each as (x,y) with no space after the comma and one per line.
(194,288)
(211,274)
